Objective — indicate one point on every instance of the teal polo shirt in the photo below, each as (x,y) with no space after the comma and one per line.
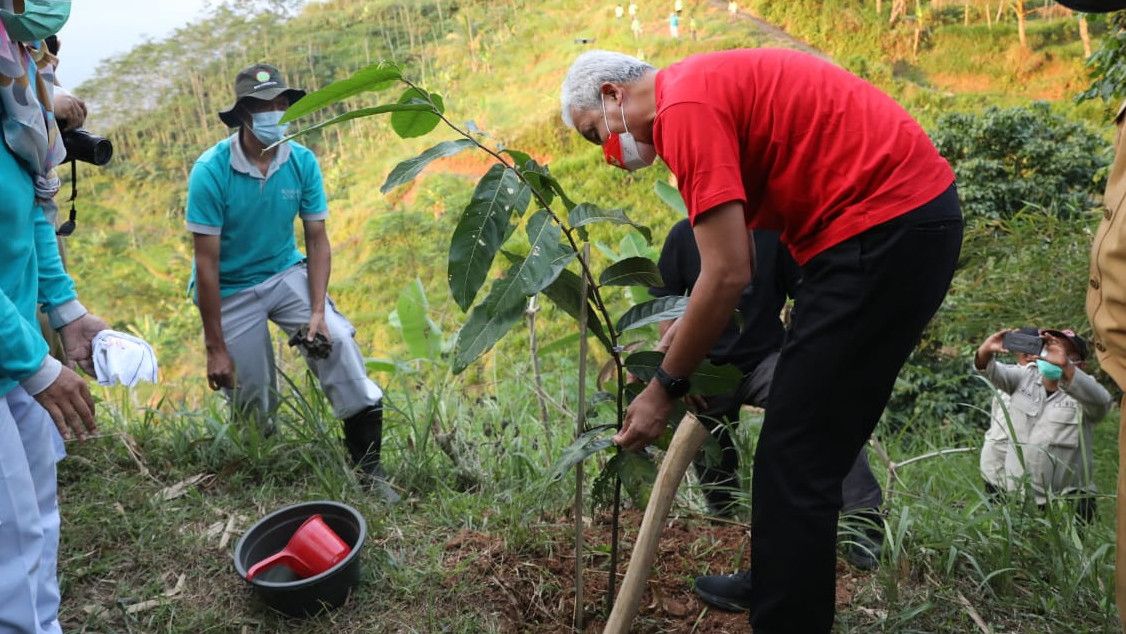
(253,213)
(31,275)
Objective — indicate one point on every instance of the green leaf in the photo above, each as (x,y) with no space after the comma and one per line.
(565,292)
(715,379)
(634,245)
(671,197)
(588,444)
(423,337)
(519,159)
(560,344)
(631,271)
(389,366)
(408,124)
(482,229)
(638,473)
(488,322)
(567,202)
(547,256)
(644,364)
(356,114)
(407,170)
(660,309)
(539,179)
(602,491)
(598,398)
(586,213)
(378,76)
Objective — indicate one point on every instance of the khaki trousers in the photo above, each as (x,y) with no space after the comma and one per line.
(1120,523)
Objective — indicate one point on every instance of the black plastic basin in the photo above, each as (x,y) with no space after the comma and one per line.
(279,587)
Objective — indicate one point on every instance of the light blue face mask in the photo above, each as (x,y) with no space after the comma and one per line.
(265,126)
(40,19)
(1049,371)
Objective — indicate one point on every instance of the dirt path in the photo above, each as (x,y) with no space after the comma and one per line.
(772,30)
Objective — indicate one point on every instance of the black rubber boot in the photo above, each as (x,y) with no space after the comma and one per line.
(363,436)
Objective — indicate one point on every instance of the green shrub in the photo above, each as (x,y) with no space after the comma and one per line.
(1012,158)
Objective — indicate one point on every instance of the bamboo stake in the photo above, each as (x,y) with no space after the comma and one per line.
(580,427)
(531,311)
(687,440)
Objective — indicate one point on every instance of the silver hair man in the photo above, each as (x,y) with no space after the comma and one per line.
(581,88)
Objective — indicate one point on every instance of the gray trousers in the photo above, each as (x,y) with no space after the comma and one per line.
(29,516)
(284,300)
(860,490)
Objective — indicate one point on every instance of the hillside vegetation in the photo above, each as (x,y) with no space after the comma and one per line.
(479,543)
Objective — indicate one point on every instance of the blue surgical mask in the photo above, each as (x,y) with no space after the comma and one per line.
(265,126)
(40,18)
(1049,371)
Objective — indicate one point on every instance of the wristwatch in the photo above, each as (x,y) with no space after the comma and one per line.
(674,386)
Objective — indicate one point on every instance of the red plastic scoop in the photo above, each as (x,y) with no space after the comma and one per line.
(313,549)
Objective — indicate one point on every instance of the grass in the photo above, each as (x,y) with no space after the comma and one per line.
(451,557)
(480,544)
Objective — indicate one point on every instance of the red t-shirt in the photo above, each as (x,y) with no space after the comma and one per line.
(810,149)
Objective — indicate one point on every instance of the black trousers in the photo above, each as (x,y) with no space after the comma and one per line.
(859,312)
(860,491)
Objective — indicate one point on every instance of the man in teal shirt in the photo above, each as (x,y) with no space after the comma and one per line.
(242,202)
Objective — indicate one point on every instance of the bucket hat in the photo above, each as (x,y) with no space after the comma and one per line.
(260,81)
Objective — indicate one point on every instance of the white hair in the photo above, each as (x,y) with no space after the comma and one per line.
(582,85)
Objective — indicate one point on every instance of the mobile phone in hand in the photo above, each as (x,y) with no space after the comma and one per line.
(1020,342)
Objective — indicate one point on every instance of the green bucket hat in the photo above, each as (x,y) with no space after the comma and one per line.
(260,81)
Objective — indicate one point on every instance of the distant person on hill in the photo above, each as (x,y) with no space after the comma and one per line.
(782,140)
(42,401)
(632,8)
(674,25)
(753,347)
(1053,411)
(619,11)
(732,10)
(1106,301)
(242,202)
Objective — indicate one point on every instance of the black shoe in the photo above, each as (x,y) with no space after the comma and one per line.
(863,550)
(731,593)
(363,436)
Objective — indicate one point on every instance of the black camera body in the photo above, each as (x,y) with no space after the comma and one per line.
(1023,343)
(87,147)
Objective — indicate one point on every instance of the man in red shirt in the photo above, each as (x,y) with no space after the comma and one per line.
(782,140)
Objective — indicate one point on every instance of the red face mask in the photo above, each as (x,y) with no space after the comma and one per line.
(622,150)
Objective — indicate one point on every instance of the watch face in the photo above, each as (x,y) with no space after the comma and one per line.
(674,387)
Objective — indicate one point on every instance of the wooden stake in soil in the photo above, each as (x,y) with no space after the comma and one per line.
(580,427)
(687,440)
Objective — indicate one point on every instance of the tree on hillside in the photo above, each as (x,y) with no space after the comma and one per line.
(1022,15)
(1107,67)
(1084,35)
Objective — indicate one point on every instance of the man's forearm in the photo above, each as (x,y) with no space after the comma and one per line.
(210,308)
(726,263)
(320,268)
(709,311)
(982,358)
